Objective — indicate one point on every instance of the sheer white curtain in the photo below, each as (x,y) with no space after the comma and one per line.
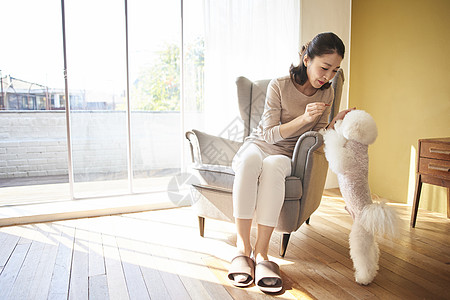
(258,39)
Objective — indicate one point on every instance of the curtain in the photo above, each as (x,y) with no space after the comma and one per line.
(258,39)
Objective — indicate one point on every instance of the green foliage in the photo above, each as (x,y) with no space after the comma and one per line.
(158,87)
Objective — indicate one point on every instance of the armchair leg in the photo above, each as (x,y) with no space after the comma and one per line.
(307,220)
(201,226)
(284,243)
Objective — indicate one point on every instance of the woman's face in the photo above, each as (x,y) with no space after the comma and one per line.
(322,69)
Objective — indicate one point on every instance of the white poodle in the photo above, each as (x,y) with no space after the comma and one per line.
(346,149)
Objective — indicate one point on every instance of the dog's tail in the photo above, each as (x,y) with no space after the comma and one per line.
(380,219)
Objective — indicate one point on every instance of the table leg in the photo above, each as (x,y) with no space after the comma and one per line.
(415,207)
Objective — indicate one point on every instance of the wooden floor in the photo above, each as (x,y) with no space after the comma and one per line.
(159,255)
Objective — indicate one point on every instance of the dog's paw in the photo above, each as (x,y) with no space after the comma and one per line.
(364,278)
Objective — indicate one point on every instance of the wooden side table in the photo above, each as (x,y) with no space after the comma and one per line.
(433,167)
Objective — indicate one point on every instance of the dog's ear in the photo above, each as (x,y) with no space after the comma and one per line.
(359,126)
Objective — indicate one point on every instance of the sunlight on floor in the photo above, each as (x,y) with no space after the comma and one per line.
(165,244)
(57,192)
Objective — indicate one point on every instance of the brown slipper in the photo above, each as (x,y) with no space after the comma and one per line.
(242,265)
(268,271)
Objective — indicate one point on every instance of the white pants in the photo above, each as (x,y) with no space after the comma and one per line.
(259,184)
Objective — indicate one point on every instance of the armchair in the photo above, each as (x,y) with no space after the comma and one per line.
(212,157)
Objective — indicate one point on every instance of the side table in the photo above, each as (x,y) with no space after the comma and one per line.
(433,167)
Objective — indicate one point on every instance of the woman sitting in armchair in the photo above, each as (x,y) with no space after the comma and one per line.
(294,104)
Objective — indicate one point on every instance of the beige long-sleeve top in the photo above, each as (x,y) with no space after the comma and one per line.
(283,104)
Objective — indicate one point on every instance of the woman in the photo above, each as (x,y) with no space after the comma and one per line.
(294,104)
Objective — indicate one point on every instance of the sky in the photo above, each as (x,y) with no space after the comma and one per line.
(31,41)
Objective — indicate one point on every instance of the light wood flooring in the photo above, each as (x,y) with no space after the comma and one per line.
(160,255)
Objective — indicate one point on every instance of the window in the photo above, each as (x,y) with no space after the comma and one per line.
(135,82)
(33,142)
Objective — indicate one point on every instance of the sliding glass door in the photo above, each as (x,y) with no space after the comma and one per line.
(134,83)
(96,64)
(155,91)
(125,111)
(33,143)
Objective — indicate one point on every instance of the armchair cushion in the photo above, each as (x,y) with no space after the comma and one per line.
(221,178)
(216,176)
(294,190)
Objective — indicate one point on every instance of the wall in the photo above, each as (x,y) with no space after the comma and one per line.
(399,73)
(323,16)
(33,143)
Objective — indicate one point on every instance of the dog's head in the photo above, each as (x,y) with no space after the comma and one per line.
(358,126)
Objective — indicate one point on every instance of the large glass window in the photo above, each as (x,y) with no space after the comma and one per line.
(96,64)
(154,70)
(33,144)
(194,62)
(128,110)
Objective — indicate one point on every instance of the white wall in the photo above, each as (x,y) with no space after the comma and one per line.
(33,143)
(323,16)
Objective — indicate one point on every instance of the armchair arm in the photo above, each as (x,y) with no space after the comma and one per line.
(210,149)
(308,142)
(311,166)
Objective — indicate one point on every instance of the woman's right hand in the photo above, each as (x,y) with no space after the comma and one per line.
(314,110)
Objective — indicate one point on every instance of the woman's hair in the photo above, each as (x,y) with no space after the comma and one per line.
(323,43)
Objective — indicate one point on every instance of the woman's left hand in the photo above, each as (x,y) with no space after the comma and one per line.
(339,116)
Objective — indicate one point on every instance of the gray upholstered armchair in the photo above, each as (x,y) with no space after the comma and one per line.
(212,157)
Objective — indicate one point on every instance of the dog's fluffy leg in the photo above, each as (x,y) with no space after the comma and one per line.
(364,253)
(337,155)
(380,219)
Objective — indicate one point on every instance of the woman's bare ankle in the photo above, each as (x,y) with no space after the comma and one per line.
(260,256)
(243,250)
